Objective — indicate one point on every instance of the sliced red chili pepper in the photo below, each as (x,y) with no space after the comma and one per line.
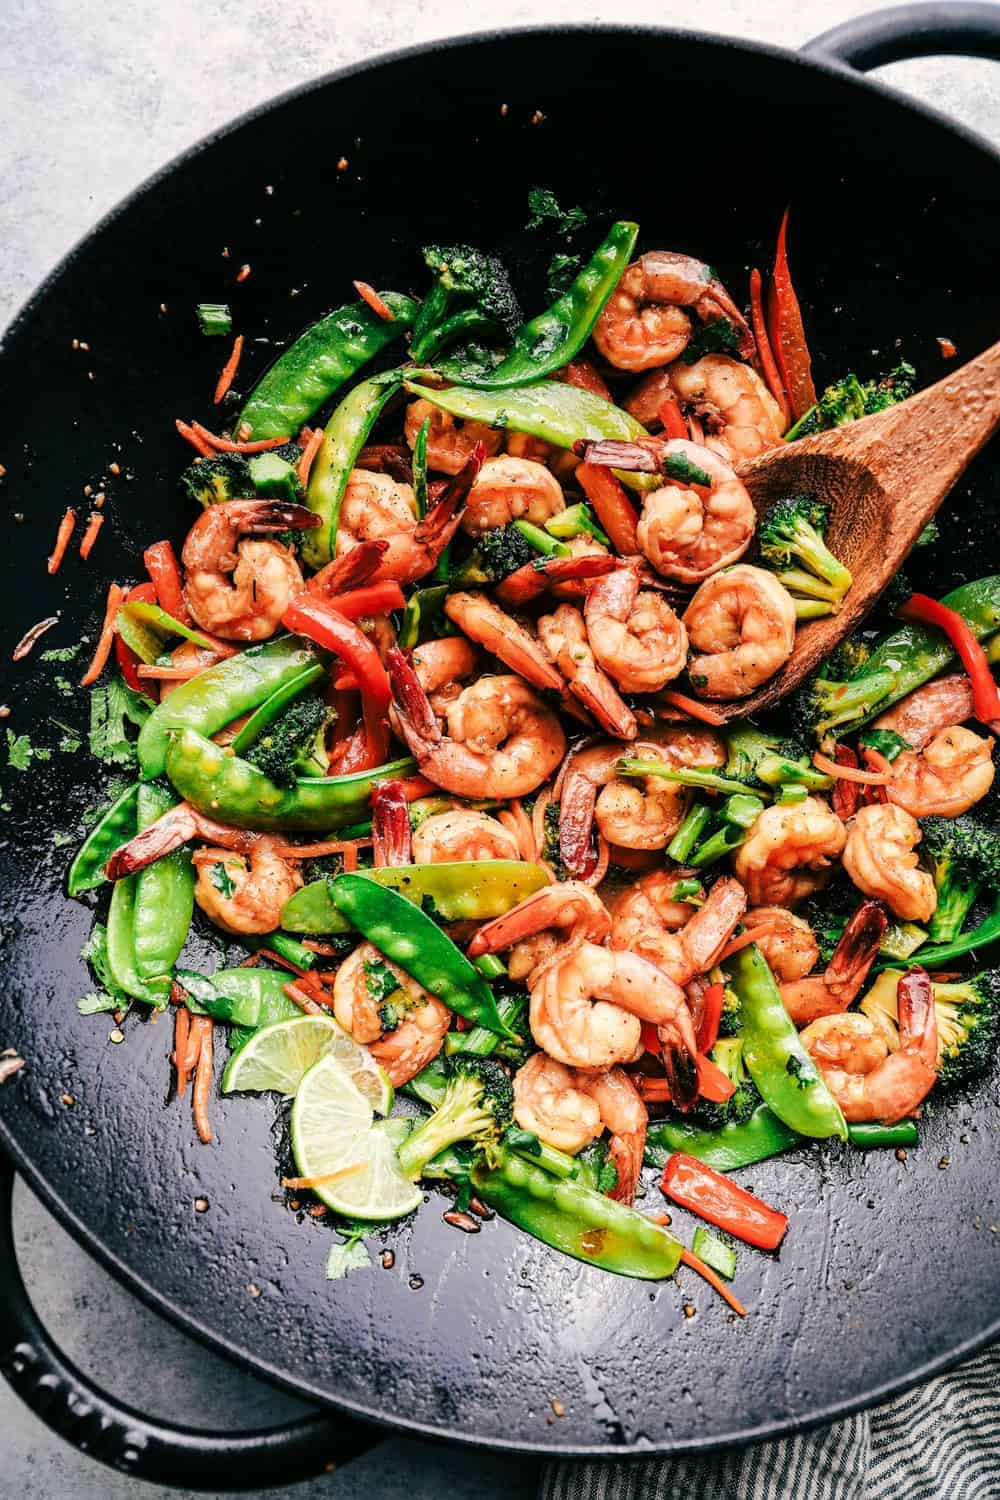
(844,798)
(712,1000)
(162,566)
(674,425)
(764,350)
(713,1084)
(985,694)
(320,622)
(786,331)
(128,662)
(376,599)
(612,506)
(715,1198)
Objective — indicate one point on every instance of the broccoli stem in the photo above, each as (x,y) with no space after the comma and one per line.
(798,581)
(852,702)
(710,781)
(776,770)
(812,609)
(955,901)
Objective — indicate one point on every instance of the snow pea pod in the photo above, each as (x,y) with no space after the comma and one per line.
(121,946)
(575,1219)
(726,1149)
(220,694)
(411,939)
(145,628)
(551,340)
(223,786)
(241,997)
(346,434)
(279,700)
(114,828)
(318,363)
(779,1065)
(164,895)
(473,890)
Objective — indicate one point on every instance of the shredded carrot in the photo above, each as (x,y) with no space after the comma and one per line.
(674,425)
(324,1179)
(228,373)
(189,435)
(62,539)
(302,998)
(350,860)
(226,445)
(325,950)
(171,674)
(370,295)
(242,273)
(693,708)
(662,1219)
(181,1023)
(284,963)
(203,1079)
(768,366)
(877,760)
(312,447)
(697,1264)
(116,597)
(763,929)
(850,773)
(31,637)
(318,851)
(94,523)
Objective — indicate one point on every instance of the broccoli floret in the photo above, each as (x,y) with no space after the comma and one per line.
(791,542)
(821,708)
(849,657)
(224,477)
(727,1054)
(763,760)
(729,1021)
(294,745)
(850,398)
(499,553)
(472,275)
(478,1105)
(968,1021)
(966,855)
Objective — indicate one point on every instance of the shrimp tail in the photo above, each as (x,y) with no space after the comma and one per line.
(610,453)
(858,947)
(528,582)
(626,1152)
(917,1015)
(419,727)
(576,822)
(390,825)
(681,1067)
(176,827)
(264,516)
(350,570)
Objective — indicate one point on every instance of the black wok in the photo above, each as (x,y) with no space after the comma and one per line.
(889,1272)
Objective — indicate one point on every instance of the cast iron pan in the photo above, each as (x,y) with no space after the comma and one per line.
(890,1270)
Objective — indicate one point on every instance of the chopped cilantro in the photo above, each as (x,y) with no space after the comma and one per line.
(61,653)
(717,337)
(546,213)
(346,1255)
(562,269)
(96,1002)
(19,751)
(222,880)
(112,706)
(380,981)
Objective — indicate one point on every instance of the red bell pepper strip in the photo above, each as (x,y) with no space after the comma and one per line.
(674,425)
(376,599)
(713,1084)
(985,694)
(844,798)
(766,354)
(715,1198)
(318,621)
(126,658)
(161,564)
(711,1015)
(612,506)
(786,332)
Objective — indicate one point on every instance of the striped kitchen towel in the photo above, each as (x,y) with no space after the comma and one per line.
(939,1442)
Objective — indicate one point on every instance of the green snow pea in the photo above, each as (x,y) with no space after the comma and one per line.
(220,694)
(473,890)
(318,363)
(430,1083)
(346,434)
(420,467)
(575,1219)
(279,700)
(164,895)
(113,829)
(223,786)
(726,1149)
(242,997)
(121,946)
(779,1065)
(561,414)
(550,340)
(411,939)
(146,627)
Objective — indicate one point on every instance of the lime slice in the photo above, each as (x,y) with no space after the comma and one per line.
(332,1131)
(277,1057)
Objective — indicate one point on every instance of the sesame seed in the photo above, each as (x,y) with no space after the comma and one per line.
(343,164)
(67,1099)
(114,468)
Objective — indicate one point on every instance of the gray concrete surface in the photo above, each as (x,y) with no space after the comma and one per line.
(92,99)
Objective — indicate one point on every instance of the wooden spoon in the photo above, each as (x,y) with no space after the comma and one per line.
(883,478)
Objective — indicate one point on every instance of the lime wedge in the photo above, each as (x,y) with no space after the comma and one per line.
(332,1132)
(278,1056)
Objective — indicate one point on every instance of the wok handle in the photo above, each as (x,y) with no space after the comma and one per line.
(144,1447)
(961,27)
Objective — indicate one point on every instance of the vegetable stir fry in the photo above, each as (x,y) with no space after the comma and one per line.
(427,722)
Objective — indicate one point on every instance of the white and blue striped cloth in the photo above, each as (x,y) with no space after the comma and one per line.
(939,1442)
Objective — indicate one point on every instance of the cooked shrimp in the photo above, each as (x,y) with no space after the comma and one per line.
(568,1109)
(635,636)
(879,857)
(376,507)
(824,994)
(695,947)
(788,853)
(450,441)
(919,716)
(741,626)
(504,637)
(191,657)
(442,666)
(235,585)
(566,913)
(462,834)
(407,1048)
(566,639)
(502,740)
(867,1080)
(688,532)
(730,403)
(245,892)
(946,778)
(649,905)
(511,489)
(587,1005)
(579,546)
(562,461)
(644,324)
(788,945)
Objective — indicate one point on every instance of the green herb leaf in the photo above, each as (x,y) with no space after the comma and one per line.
(20,751)
(559,276)
(61,653)
(886,741)
(96,1002)
(546,213)
(112,705)
(380,981)
(346,1255)
(222,880)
